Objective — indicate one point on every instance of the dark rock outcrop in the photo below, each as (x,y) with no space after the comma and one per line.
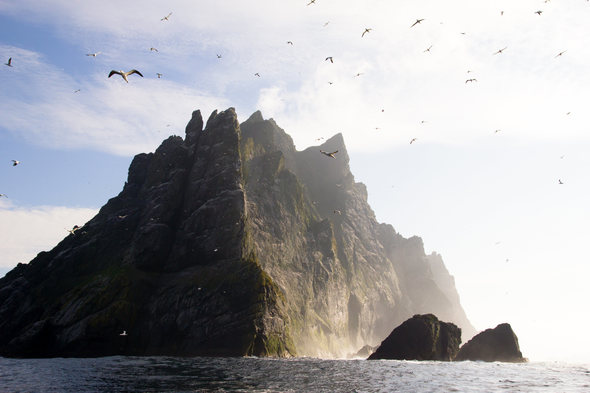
(493,345)
(422,337)
(226,243)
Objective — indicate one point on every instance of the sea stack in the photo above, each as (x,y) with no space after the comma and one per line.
(225,243)
(422,337)
(493,345)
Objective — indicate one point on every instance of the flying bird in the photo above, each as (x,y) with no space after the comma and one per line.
(3,195)
(290,42)
(332,154)
(152,49)
(560,182)
(257,74)
(93,54)
(166,17)
(327,23)
(311,2)
(413,140)
(124,75)
(76,91)
(15,162)
(9,63)
(329,58)
(428,49)
(367,30)
(560,53)
(359,74)
(319,139)
(500,50)
(471,80)
(124,333)
(495,132)
(337,212)
(538,12)
(73,230)
(159,75)
(219,56)
(417,22)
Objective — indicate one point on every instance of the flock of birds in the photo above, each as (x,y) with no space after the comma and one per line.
(367,30)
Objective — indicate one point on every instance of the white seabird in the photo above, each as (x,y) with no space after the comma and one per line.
(125,74)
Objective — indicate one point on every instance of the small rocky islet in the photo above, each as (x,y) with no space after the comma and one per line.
(425,337)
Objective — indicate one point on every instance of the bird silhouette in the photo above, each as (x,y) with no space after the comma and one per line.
(428,49)
(3,195)
(500,51)
(257,74)
(560,182)
(15,162)
(159,75)
(152,49)
(560,53)
(167,17)
(471,80)
(329,58)
(538,12)
(311,2)
(367,30)
(332,154)
(418,21)
(73,230)
(413,140)
(124,75)
(124,333)
(9,63)
(93,54)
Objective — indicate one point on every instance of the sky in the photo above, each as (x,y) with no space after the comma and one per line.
(495,180)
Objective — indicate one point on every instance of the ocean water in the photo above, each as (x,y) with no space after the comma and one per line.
(171,374)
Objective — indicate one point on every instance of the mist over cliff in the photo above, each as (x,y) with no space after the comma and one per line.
(228,242)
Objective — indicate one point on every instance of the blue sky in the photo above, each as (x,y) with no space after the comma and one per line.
(480,184)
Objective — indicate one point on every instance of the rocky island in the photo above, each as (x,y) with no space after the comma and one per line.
(227,242)
(422,337)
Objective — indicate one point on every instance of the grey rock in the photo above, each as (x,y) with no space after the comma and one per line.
(422,337)
(226,243)
(493,345)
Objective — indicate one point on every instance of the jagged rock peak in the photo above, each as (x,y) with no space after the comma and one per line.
(256,117)
(215,119)
(194,127)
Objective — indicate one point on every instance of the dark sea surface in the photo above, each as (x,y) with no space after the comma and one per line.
(171,374)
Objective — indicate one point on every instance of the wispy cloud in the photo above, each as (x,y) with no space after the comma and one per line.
(48,106)
(27,231)
(401,92)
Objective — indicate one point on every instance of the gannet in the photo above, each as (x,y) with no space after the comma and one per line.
(125,74)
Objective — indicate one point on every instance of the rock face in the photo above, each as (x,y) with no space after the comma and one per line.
(493,345)
(228,242)
(422,337)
